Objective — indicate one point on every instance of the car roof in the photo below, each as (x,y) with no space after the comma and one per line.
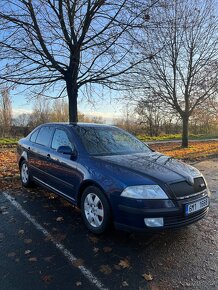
(78,124)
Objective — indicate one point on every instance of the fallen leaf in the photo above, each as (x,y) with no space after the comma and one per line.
(59,237)
(124,263)
(125,284)
(27,241)
(78,283)
(33,259)
(59,219)
(3,208)
(12,254)
(77,262)
(147,277)
(93,239)
(47,278)
(27,252)
(48,238)
(106,269)
(107,249)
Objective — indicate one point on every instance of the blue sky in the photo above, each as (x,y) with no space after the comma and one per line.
(108,107)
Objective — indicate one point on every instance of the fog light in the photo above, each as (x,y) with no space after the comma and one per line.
(154,222)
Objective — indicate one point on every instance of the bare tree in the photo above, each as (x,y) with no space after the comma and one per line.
(42,108)
(69,44)
(184,72)
(150,114)
(204,119)
(59,111)
(22,120)
(5,111)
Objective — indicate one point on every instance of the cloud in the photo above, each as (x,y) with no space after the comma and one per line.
(18,111)
(104,115)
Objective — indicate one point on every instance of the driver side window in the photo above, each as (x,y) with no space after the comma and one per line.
(60,138)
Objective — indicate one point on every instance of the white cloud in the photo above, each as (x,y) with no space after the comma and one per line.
(18,111)
(105,115)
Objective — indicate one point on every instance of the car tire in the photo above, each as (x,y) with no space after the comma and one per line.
(25,175)
(95,210)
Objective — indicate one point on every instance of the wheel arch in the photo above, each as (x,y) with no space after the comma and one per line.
(23,157)
(85,184)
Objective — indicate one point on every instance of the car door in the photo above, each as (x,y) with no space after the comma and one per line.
(39,154)
(63,167)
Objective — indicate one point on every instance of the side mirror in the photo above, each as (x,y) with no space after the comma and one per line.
(66,150)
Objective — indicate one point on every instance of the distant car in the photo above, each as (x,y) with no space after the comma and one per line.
(112,177)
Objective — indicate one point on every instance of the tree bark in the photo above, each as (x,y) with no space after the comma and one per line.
(72,92)
(185,123)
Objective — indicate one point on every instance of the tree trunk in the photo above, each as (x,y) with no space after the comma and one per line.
(185,121)
(72,92)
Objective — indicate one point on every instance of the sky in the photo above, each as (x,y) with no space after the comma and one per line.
(108,108)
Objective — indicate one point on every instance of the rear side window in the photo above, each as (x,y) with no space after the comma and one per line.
(33,136)
(60,138)
(44,136)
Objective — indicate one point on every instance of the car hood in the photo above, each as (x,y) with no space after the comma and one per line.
(155,165)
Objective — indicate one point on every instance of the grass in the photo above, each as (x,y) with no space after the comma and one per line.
(167,137)
(8,141)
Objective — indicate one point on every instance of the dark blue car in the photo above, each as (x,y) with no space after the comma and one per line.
(112,177)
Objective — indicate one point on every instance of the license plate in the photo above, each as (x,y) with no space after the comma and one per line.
(196,206)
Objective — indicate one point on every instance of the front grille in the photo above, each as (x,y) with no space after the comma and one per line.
(181,220)
(183,188)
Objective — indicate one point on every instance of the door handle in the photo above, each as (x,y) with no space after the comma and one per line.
(48,156)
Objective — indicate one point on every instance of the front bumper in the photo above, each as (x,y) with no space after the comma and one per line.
(130,214)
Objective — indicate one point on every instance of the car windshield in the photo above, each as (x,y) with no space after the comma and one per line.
(110,141)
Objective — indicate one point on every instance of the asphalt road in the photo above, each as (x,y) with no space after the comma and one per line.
(44,245)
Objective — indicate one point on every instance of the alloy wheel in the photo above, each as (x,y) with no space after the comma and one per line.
(94,210)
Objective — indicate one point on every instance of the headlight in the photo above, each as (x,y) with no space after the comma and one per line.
(144,192)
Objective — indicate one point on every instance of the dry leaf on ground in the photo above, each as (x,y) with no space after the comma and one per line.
(95,250)
(27,241)
(125,284)
(107,249)
(106,269)
(59,219)
(78,263)
(47,278)
(147,277)
(33,259)
(124,264)
(27,252)
(12,254)
(93,239)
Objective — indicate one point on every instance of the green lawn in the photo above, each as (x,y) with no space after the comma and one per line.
(146,138)
(8,141)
